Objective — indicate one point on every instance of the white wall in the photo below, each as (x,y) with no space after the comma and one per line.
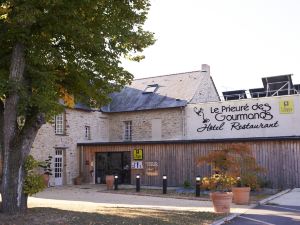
(244,118)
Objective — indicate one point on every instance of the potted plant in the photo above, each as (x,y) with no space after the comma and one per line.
(241,193)
(46,165)
(109,179)
(78,179)
(236,160)
(220,187)
(220,183)
(245,168)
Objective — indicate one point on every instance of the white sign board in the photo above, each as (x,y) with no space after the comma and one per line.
(263,117)
(137,165)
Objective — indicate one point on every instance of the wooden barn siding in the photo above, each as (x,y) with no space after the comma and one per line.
(178,161)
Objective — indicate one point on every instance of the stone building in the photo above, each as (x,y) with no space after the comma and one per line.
(150,109)
(161,125)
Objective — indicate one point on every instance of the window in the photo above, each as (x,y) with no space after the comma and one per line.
(87,134)
(127,130)
(151,88)
(60,124)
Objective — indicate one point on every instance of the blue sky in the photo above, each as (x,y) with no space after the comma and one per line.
(242,40)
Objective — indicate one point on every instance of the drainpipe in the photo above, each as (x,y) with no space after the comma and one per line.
(80,159)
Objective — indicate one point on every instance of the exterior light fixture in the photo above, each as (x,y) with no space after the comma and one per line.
(198,179)
(165,184)
(116,182)
(138,183)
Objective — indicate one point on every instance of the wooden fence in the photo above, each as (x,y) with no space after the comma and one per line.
(178,161)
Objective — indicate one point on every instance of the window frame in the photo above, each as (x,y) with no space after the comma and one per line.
(59,124)
(127,130)
(151,88)
(87,132)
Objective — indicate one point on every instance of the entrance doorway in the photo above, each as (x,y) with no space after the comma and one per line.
(115,163)
(58,167)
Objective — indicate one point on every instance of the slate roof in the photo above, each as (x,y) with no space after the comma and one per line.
(82,106)
(174,90)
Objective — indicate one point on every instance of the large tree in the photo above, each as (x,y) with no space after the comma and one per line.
(53,48)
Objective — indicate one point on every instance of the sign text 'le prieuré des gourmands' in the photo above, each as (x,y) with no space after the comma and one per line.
(264,117)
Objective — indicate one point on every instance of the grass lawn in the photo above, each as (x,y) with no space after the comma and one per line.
(55,208)
(111,216)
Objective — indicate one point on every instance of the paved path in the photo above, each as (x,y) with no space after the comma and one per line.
(76,198)
(284,210)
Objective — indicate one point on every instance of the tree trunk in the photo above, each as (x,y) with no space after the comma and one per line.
(13,169)
(1,141)
(16,143)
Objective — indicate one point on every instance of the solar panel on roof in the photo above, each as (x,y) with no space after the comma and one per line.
(257,92)
(297,88)
(278,85)
(234,95)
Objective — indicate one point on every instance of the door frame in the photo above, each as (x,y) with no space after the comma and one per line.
(121,169)
(62,166)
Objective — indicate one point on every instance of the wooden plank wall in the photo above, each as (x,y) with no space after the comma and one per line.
(178,161)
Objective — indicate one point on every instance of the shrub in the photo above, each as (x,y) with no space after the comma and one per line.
(235,160)
(46,165)
(218,182)
(187,184)
(33,182)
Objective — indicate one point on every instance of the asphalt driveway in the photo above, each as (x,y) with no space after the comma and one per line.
(284,210)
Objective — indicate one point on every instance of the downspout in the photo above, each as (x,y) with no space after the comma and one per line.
(81,159)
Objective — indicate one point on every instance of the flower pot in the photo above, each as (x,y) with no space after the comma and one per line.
(78,180)
(46,179)
(109,179)
(241,195)
(221,201)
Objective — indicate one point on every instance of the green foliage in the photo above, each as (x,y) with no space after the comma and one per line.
(75,46)
(187,184)
(46,165)
(33,182)
(30,164)
(218,182)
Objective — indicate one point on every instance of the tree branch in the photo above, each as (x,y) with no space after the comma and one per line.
(33,123)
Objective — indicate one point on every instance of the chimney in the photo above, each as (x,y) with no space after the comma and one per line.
(205,69)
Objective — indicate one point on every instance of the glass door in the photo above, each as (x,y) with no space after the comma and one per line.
(115,163)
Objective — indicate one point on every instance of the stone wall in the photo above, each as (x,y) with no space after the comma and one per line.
(171,124)
(47,141)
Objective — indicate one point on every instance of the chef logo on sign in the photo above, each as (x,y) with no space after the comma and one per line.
(200,113)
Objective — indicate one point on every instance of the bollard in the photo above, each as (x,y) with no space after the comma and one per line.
(116,182)
(165,184)
(138,183)
(198,179)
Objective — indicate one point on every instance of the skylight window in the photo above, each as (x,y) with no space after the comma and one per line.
(151,88)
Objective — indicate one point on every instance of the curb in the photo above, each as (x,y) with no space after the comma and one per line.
(265,201)
(262,202)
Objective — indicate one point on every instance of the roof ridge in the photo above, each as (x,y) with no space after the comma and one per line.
(172,74)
